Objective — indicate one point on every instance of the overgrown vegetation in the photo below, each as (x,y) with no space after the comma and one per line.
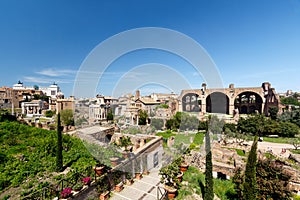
(143,117)
(263,126)
(224,189)
(29,153)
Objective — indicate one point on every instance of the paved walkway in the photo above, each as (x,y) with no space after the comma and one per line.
(144,189)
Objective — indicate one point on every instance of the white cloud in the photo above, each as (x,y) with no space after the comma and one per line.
(43,80)
(57,72)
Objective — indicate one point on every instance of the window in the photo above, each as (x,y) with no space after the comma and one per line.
(53,92)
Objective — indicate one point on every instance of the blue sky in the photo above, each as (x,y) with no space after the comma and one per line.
(249,41)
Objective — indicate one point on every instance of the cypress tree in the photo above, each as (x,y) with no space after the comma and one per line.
(209,184)
(59,156)
(250,185)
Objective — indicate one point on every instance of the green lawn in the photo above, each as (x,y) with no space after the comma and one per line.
(198,139)
(166,134)
(277,140)
(222,188)
(240,152)
(295,151)
(183,138)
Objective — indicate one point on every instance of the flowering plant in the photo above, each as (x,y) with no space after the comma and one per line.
(86,180)
(66,193)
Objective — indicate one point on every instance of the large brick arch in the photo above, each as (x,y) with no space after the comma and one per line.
(190,102)
(265,94)
(248,102)
(217,102)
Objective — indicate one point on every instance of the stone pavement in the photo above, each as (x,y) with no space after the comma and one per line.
(144,189)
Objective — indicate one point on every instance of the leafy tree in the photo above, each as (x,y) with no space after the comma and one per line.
(143,117)
(188,122)
(271,127)
(287,129)
(6,116)
(170,124)
(250,185)
(110,115)
(177,120)
(157,123)
(230,126)
(289,101)
(254,124)
(273,113)
(295,142)
(67,117)
(290,116)
(59,156)
(183,121)
(49,113)
(215,125)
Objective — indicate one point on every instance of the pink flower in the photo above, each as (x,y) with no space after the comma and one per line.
(86,180)
(66,193)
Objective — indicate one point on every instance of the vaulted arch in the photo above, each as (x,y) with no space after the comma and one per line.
(217,102)
(248,102)
(190,102)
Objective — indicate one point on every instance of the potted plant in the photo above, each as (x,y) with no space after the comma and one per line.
(138,175)
(125,142)
(169,178)
(104,192)
(182,164)
(129,179)
(103,188)
(67,192)
(119,187)
(179,176)
(99,169)
(87,180)
(114,161)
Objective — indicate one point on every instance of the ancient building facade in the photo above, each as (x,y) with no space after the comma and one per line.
(229,100)
(100,107)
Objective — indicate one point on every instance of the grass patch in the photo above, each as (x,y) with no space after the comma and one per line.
(269,155)
(224,189)
(198,139)
(166,134)
(183,138)
(277,140)
(240,152)
(295,151)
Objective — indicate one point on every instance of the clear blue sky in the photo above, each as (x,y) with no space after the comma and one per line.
(250,41)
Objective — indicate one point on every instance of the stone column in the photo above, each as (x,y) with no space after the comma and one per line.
(203,104)
(231,105)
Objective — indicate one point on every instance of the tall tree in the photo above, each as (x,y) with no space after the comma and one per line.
(59,156)
(67,117)
(250,185)
(209,184)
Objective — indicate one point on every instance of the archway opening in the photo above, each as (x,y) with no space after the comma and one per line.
(248,103)
(217,102)
(190,103)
